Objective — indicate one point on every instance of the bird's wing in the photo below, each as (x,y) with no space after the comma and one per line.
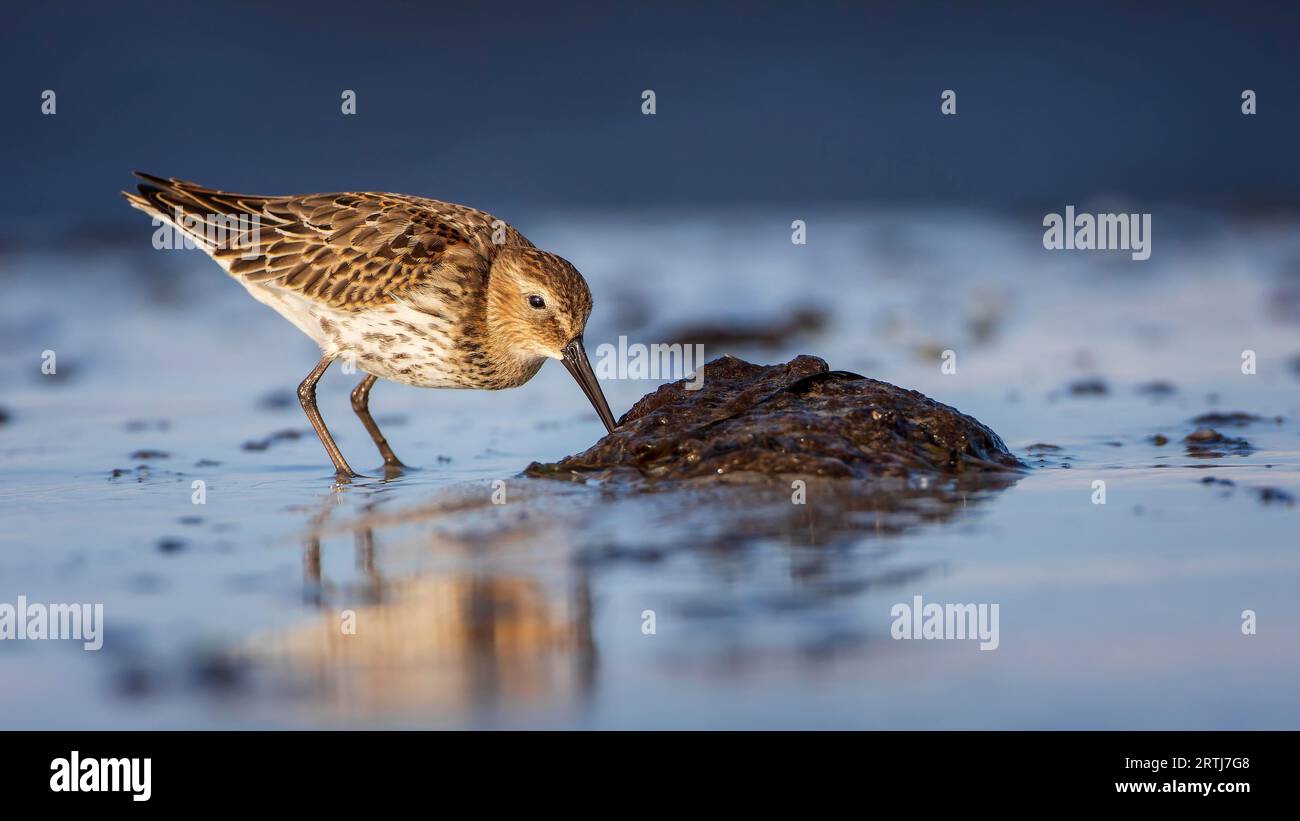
(351,251)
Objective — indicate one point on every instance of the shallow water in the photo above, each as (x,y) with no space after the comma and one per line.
(530,613)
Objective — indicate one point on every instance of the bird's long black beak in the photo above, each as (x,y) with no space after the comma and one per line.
(575,359)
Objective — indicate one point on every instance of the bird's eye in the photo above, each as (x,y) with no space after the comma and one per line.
(537,302)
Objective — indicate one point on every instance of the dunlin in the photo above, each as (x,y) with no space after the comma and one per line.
(419,291)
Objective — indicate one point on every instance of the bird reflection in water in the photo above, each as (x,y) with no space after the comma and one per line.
(434,644)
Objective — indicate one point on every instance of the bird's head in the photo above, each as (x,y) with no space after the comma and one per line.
(538,306)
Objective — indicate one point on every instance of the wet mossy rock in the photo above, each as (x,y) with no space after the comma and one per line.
(798,418)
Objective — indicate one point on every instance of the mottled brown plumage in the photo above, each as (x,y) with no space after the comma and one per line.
(351,251)
(419,291)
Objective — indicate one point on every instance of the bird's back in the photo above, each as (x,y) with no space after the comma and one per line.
(397,283)
(349,250)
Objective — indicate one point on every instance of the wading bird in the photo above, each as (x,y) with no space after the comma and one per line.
(418,291)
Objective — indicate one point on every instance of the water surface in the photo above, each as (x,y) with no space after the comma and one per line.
(530,613)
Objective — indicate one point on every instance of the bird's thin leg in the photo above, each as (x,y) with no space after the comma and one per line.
(361,404)
(307,396)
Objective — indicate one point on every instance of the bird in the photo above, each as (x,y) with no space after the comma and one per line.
(413,290)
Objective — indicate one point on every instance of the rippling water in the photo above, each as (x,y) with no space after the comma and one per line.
(531,613)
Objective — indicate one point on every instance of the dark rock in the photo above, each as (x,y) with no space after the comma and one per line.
(64,373)
(284,435)
(800,418)
(766,336)
(276,400)
(1159,389)
(1208,443)
(1089,387)
(219,672)
(171,545)
(1275,496)
(150,454)
(1236,419)
(1159,440)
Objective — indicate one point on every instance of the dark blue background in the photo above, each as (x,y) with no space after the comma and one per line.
(514,107)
